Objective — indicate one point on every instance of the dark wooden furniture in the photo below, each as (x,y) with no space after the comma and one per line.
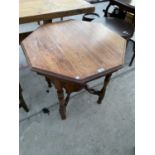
(128,5)
(133,56)
(22,101)
(125,29)
(90,16)
(72,53)
(119,26)
(37,10)
(122,27)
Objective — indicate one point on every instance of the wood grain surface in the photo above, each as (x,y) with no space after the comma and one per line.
(36,10)
(74,50)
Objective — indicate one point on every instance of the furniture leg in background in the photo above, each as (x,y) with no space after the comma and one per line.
(133,56)
(22,101)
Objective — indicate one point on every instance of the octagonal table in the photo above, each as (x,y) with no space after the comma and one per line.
(72,53)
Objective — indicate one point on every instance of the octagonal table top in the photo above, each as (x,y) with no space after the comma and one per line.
(35,10)
(74,50)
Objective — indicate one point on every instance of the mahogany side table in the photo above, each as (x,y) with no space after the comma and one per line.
(72,53)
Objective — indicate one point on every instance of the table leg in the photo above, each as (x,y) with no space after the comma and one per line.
(62,107)
(21,100)
(103,90)
(133,57)
(67,99)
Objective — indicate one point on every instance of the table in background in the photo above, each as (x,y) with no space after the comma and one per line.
(37,10)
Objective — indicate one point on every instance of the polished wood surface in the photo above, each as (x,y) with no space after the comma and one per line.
(35,10)
(74,50)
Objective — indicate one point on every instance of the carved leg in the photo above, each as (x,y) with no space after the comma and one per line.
(103,90)
(62,107)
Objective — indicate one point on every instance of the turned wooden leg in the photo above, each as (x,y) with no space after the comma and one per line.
(103,90)
(62,107)
(21,100)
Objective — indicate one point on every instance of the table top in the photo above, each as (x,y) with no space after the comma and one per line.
(35,10)
(77,51)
